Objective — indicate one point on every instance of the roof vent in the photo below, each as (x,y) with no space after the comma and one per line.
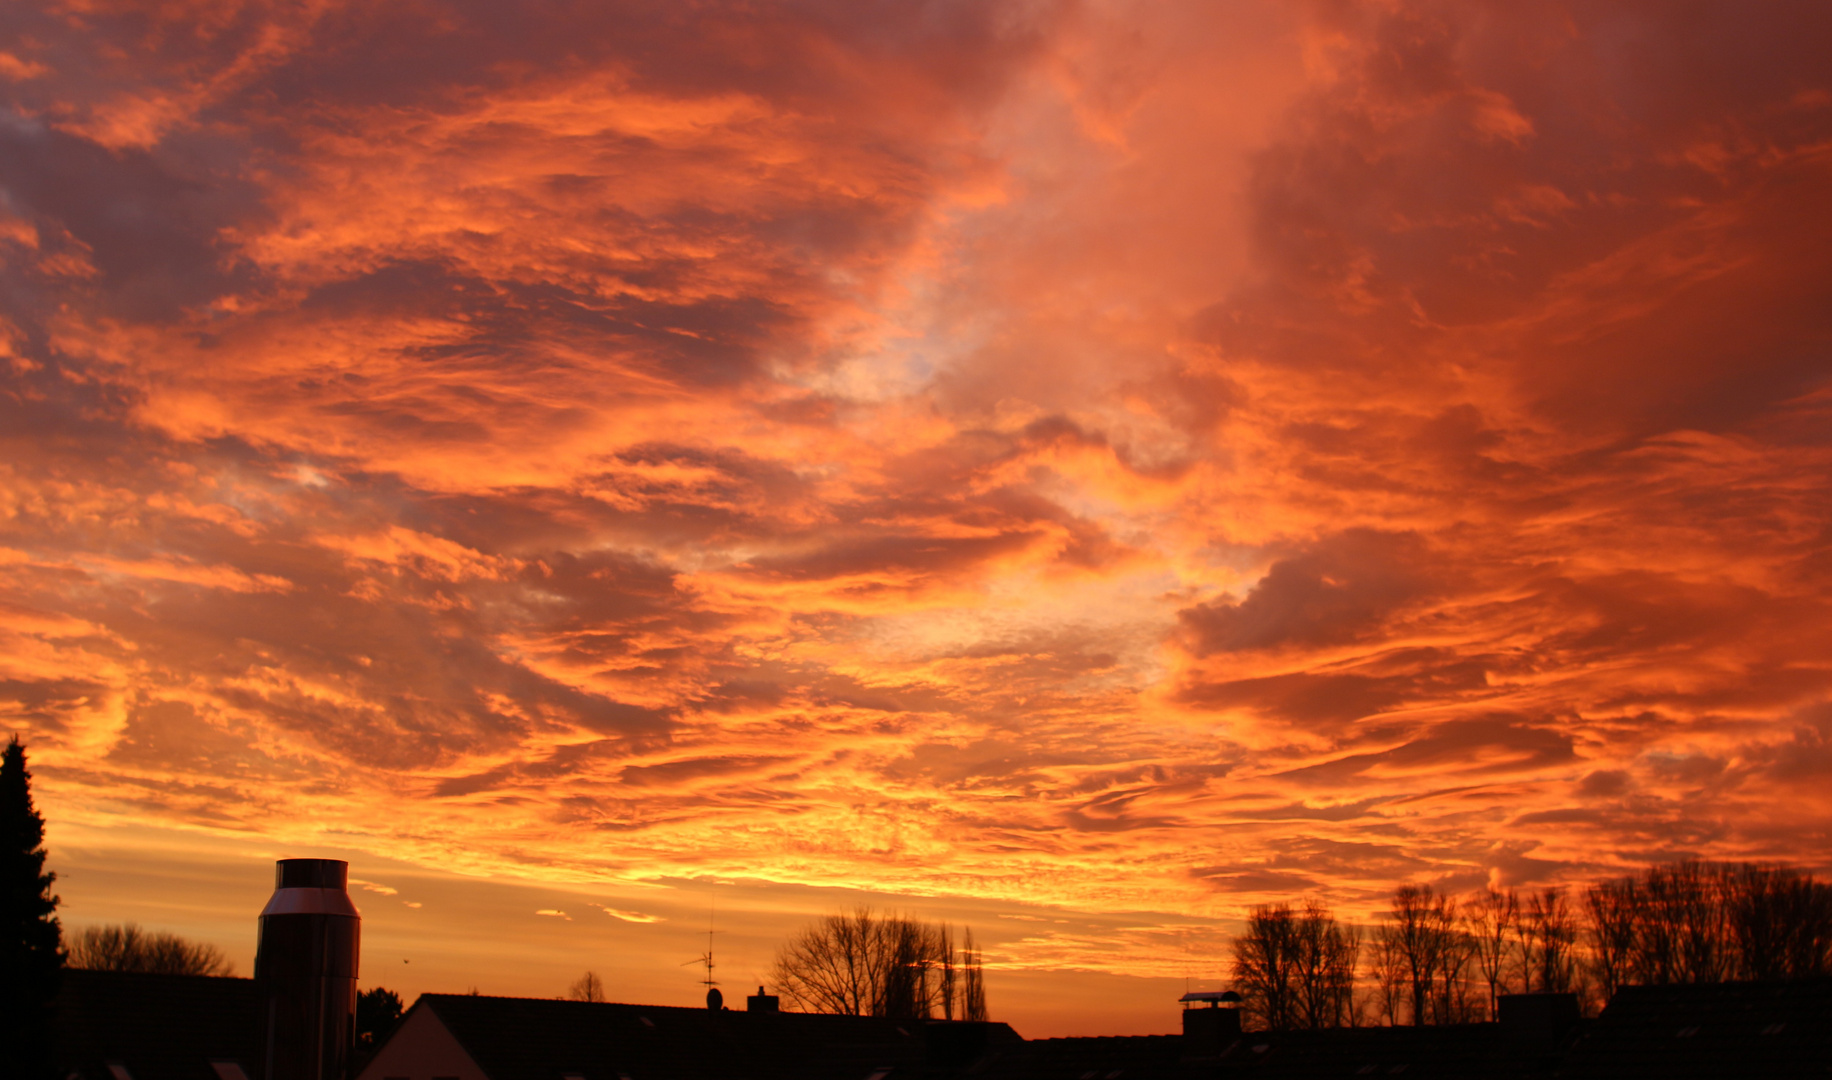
(305,970)
(762,1002)
(1207,1032)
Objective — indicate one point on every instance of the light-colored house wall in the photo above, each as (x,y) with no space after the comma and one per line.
(422,1048)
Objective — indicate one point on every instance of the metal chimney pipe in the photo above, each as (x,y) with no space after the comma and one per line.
(305,970)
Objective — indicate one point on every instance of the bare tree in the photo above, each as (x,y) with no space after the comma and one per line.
(1421,931)
(1704,926)
(126,947)
(1388,966)
(1343,976)
(588,987)
(1265,966)
(1780,922)
(1658,959)
(1490,917)
(1296,967)
(1763,915)
(972,1004)
(913,951)
(947,985)
(1327,955)
(1612,907)
(863,964)
(1698,922)
(1454,1001)
(1551,935)
(834,966)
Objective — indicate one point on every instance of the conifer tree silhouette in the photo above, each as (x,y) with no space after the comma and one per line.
(30,936)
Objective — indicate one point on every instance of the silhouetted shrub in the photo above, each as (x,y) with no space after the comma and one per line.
(126,947)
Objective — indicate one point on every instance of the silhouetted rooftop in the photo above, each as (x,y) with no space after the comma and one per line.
(1708,1031)
(157,1027)
(542,1039)
(1459,1051)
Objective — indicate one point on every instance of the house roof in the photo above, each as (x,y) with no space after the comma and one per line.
(1768,1029)
(542,1039)
(157,1027)
(1459,1051)
(1112,1057)
(1417,1053)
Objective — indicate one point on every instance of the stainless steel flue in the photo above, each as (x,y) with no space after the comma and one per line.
(305,968)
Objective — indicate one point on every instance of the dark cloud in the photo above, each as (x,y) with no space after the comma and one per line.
(147,225)
(679,772)
(1232,879)
(1604,783)
(1339,589)
(1455,748)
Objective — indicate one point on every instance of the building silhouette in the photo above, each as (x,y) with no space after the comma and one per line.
(295,1020)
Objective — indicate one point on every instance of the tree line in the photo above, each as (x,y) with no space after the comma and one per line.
(860,963)
(1435,958)
(126,947)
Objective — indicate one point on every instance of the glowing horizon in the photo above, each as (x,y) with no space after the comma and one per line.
(1061,461)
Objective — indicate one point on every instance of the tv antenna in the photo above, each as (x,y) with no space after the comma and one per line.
(706,959)
(714,999)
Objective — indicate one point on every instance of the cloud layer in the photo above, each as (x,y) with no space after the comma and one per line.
(1116,457)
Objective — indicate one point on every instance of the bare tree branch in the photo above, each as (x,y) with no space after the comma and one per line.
(126,947)
(863,964)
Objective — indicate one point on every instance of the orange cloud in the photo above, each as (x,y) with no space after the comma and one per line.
(1130,460)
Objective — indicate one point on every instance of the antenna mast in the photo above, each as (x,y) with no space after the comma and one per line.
(714,999)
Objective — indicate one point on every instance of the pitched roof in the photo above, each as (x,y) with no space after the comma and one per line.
(159,1027)
(1449,1051)
(1444,1050)
(1107,1057)
(1767,1029)
(542,1039)
(1687,1032)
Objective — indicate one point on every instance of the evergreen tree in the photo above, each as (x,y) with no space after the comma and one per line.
(29,934)
(378,1010)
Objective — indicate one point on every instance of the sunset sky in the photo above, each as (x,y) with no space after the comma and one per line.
(1073,469)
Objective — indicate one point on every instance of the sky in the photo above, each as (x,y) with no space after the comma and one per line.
(1073,469)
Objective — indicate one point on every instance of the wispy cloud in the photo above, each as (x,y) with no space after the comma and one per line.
(629,916)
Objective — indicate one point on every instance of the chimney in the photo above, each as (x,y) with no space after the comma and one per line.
(762,1002)
(305,970)
(1208,1031)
